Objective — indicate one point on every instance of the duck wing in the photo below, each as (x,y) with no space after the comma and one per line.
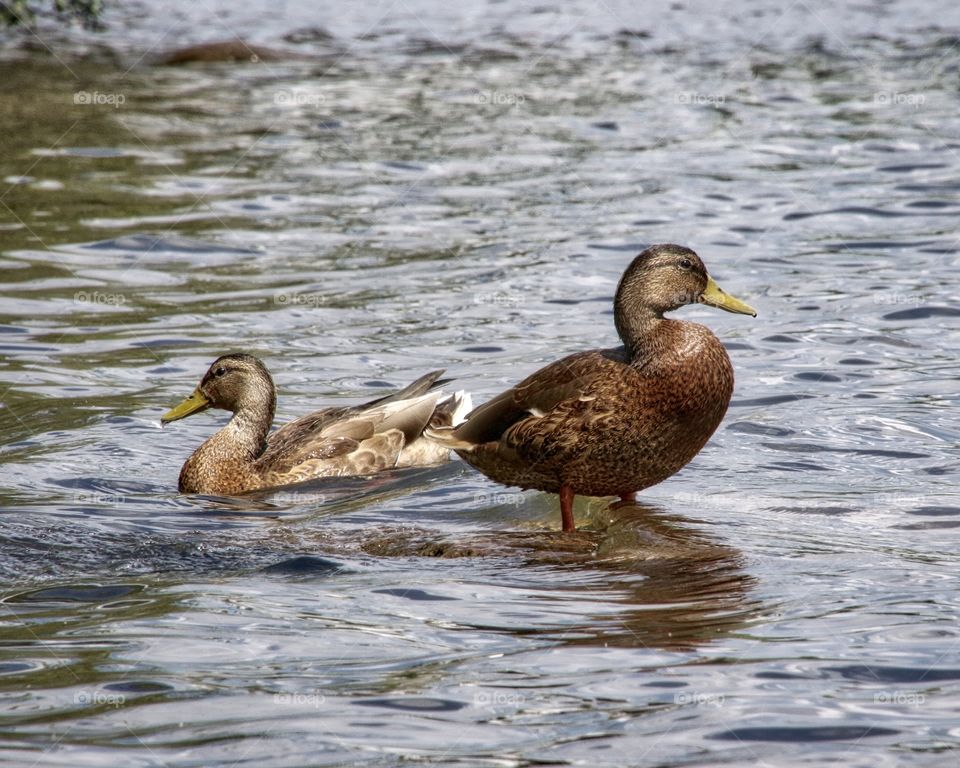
(419,387)
(353,439)
(568,380)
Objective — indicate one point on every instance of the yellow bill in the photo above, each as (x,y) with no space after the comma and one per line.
(195,403)
(715,296)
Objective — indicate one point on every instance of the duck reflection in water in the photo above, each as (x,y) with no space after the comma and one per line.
(673,585)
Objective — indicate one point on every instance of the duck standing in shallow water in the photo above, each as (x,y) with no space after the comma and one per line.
(349,440)
(613,422)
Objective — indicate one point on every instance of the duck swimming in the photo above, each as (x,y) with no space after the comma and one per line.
(345,440)
(615,421)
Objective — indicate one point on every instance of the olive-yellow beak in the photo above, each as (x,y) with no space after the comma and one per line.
(195,403)
(715,296)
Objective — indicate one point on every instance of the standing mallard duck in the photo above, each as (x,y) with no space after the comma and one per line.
(350,440)
(613,422)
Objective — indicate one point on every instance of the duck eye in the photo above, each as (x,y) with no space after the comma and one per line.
(686,265)
(220,371)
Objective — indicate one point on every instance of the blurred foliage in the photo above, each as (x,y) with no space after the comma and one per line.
(24,12)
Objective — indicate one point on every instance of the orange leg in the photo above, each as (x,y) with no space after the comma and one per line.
(566,509)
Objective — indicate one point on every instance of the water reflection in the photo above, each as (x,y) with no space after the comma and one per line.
(662,582)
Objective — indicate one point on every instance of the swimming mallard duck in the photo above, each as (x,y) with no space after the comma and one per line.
(347,440)
(613,422)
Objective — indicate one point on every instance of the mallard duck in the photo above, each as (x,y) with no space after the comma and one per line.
(351,440)
(615,421)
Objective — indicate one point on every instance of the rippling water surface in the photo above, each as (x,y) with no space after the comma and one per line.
(397,188)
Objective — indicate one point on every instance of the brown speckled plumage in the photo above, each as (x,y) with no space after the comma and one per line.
(352,440)
(613,422)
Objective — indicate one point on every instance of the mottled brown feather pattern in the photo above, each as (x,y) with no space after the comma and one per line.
(592,441)
(353,440)
(612,422)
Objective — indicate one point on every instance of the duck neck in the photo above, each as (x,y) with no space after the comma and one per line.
(212,467)
(247,431)
(636,328)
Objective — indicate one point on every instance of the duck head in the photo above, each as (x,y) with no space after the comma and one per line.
(235,382)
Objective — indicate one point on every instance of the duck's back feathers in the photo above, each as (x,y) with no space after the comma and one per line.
(337,456)
(352,440)
(568,379)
